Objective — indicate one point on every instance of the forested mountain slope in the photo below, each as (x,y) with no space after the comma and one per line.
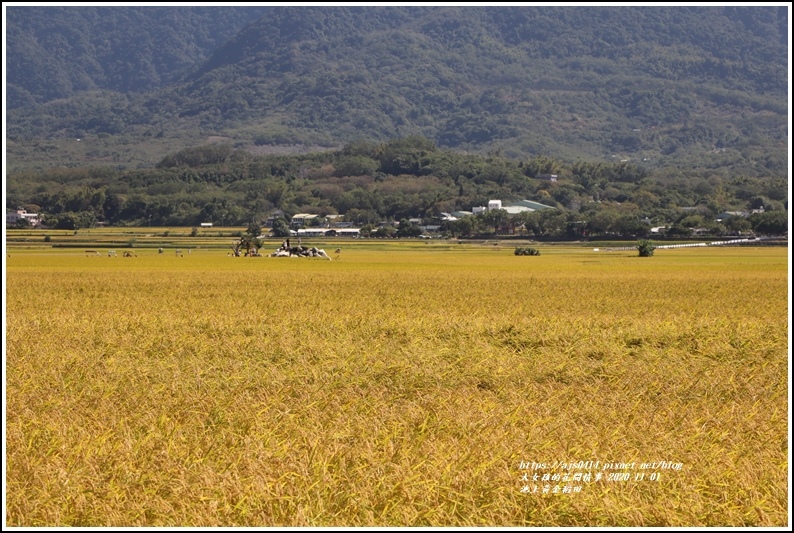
(693,87)
(56,52)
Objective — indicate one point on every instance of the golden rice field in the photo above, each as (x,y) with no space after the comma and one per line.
(400,385)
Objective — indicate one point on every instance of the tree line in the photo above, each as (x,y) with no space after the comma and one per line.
(404,178)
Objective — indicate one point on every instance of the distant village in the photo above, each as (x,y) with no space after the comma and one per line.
(335,225)
(316,225)
(307,224)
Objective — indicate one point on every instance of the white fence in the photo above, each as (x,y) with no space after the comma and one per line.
(689,245)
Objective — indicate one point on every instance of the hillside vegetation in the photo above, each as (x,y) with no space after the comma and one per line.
(404,178)
(58,52)
(694,87)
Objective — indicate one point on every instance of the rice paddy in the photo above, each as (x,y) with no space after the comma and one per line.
(404,384)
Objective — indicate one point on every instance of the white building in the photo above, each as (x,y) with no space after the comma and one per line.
(13,216)
(324,232)
(302,219)
(312,232)
(529,205)
(494,204)
(516,209)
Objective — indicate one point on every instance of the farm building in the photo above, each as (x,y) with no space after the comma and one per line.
(512,208)
(516,209)
(326,232)
(533,206)
(730,214)
(302,219)
(313,232)
(21,214)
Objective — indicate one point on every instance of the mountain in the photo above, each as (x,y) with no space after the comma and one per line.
(57,52)
(695,87)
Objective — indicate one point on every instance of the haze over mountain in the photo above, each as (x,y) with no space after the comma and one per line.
(690,86)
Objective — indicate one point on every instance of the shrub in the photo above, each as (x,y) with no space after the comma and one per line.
(526,251)
(646,248)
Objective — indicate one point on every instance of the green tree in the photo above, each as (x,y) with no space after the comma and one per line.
(770,222)
(463,227)
(355,165)
(553,222)
(408,229)
(645,248)
(602,221)
(738,224)
(66,221)
(677,230)
(254,229)
(111,208)
(384,231)
(630,226)
(281,228)
(495,219)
